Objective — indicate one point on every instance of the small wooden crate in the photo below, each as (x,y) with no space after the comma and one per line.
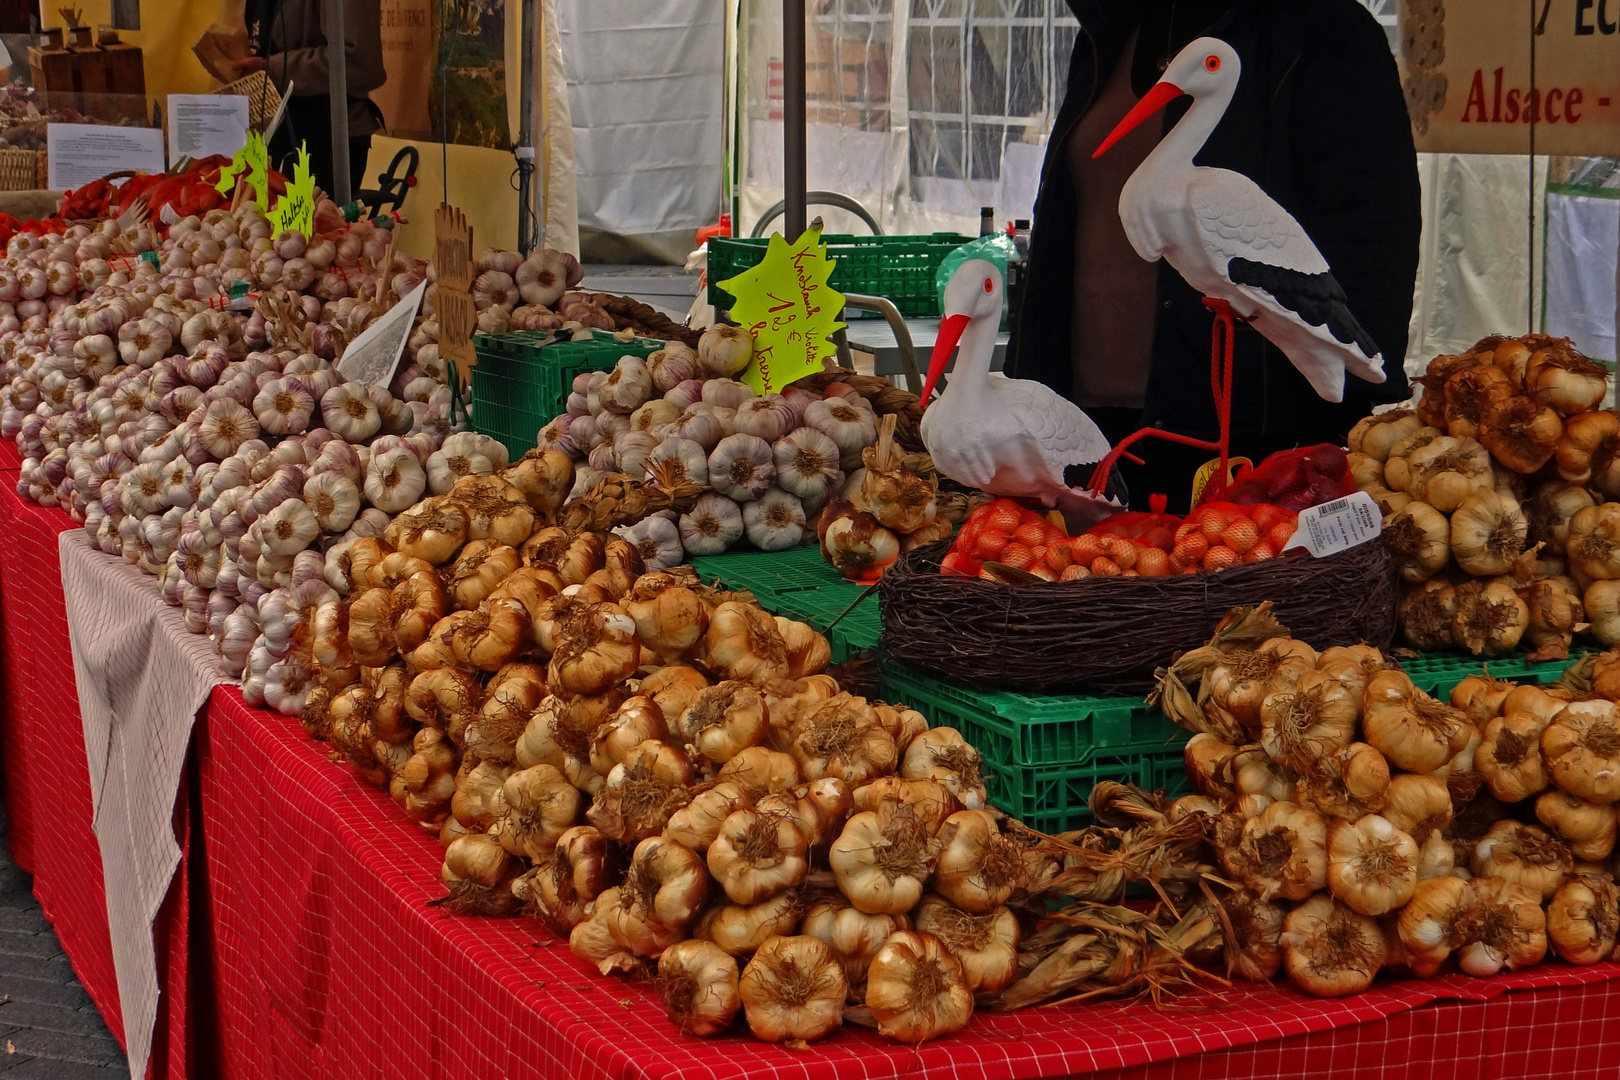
(263,98)
(21,170)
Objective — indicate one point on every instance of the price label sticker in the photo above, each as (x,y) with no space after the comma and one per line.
(788,309)
(1206,473)
(1338,526)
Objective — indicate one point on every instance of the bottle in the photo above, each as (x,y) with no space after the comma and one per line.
(987,220)
(1020,237)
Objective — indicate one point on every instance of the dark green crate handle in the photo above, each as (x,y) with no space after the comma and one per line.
(455,394)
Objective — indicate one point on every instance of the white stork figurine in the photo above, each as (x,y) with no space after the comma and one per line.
(1011,437)
(1228,238)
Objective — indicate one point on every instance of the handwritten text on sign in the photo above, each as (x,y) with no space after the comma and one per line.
(786,305)
(296,209)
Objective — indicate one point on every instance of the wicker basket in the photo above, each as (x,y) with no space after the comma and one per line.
(22,170)
(263,98)
(1108,634)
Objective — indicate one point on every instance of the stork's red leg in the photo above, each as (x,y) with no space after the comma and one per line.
(1222,332)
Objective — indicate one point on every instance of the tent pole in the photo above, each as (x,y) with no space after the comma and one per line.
(524,150)
(793,122)
(337,68)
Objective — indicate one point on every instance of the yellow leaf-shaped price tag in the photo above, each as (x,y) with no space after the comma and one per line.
(296,209)
(251,163)
(787,307)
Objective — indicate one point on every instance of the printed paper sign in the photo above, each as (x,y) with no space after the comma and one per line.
(204,124)
(787,307)
(1466,72)
(1338,526)
(372,357)
(296,209)
(80,153)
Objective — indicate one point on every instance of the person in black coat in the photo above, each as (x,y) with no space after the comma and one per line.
(1319,121)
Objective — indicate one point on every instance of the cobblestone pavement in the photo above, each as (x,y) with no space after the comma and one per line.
(48,1028)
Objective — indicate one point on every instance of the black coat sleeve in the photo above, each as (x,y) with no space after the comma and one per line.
(1356,187)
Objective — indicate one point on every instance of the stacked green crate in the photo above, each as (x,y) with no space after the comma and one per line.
(1044,753)
(900,268)
(520,384)
(1437,672)
(798,584)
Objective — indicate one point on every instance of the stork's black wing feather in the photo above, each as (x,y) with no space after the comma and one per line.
(1316,298)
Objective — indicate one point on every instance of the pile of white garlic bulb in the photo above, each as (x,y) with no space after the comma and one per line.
(772,461)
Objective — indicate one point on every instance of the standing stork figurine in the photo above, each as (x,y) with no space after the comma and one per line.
(1235,244)
(1011,437)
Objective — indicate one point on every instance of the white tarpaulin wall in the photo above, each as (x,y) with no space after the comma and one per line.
(1476,274)
(923,110)
(645,83)
(1583,244)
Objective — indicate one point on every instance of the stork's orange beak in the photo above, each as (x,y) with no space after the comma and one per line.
(1158,97)
(950,332)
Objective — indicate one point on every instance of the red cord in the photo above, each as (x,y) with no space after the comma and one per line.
(1223,331)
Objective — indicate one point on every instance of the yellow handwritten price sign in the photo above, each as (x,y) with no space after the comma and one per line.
(252,163)
(786,305)
(296,209)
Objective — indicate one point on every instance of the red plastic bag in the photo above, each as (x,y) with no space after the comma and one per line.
(1292,479)
(1153,529)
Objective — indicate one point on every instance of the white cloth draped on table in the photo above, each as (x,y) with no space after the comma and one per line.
(141,679)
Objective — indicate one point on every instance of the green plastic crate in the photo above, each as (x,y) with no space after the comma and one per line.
(900,268)
(518,386)
(799,584)
(1438,672)
(1043,754)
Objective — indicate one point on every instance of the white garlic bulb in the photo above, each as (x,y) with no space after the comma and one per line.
(225,426)
(774,521)
(284,406)
(742,467)
(348,412)
(712,525)
(692,460)
(334,499)
(806,463)
(658,541)
(395,479)
(289,528)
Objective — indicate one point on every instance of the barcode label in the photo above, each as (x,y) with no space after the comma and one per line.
(1338,526)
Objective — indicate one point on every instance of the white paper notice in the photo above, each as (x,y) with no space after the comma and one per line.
(204,124)
(80,153)
(1338,526)
(372,357)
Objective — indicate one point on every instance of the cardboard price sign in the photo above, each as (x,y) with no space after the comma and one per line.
(296,209)
(787,307)
(1466,72)
(452,259)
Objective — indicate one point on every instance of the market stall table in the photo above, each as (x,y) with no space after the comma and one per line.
(325,956)
(333,961)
